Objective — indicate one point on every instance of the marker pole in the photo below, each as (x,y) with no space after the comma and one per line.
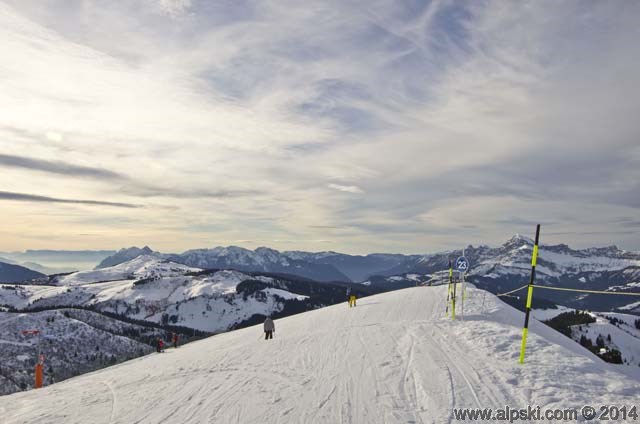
(453,301)
(39,373)
(446,311)
(525,330)
(463,296)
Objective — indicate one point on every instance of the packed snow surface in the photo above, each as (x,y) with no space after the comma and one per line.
(395,358)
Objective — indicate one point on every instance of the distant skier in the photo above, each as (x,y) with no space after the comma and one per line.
(269,328)
(174,339)
(351,297)
(159,345)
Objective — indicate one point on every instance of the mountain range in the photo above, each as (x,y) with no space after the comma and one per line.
(321,266)
(498,269)
(507,267)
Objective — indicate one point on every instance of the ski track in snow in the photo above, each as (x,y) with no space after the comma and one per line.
(394,358)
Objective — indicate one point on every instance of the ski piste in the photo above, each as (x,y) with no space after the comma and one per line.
(395,358)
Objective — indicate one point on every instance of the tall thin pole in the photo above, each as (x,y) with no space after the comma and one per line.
(462,297)
(464,290)
(453,301)
(446,311)
(525,330)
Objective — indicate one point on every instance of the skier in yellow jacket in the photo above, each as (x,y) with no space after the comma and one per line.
(351,297)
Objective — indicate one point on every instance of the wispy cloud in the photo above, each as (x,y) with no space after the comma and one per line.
(58,167)
(346,188)
(123,182)
(23,197)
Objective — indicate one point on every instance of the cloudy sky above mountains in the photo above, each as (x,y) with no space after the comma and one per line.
(404,126)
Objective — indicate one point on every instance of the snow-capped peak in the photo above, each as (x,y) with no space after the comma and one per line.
(519,239)
(124,255)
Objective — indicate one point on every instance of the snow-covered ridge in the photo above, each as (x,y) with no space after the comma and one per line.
(151,289)
(393,358)
(142,266)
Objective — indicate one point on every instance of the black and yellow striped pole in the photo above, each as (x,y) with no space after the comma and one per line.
(525,330)
(446,310)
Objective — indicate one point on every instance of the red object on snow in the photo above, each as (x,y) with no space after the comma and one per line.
(30,332)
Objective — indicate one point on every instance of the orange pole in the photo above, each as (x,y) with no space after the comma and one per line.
(39,376)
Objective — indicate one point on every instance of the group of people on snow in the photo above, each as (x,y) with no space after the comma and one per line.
(160,342)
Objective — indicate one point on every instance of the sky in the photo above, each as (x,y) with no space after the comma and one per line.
(357,126)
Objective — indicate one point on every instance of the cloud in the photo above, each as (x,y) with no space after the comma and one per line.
(58,167)
(125,184)
(23,197)
(173,8)
(142,190)
(458,120)
(346,188)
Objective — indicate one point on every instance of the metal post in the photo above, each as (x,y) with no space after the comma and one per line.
(525,330)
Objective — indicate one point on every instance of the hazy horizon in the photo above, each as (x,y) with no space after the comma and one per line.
(357,127)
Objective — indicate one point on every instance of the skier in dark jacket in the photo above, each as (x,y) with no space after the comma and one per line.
(174,339)
(269,328)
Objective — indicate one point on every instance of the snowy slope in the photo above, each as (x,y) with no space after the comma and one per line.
(208,302)
(73,341)
(619,332)
(143,266)
(150,289)
(394,358)
(625,337)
